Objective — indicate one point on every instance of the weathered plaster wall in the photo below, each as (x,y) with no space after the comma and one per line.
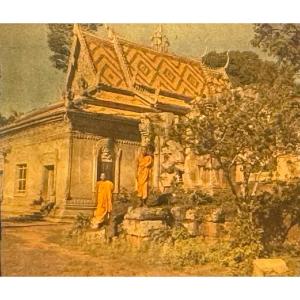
(36,147)
(91,139)
(128,165)
(84,167)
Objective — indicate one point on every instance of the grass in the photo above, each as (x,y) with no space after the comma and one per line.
(183,258)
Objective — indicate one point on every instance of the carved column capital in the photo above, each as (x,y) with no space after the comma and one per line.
(145,129)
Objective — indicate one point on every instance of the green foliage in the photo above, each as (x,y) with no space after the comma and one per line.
(189,198)
(249,128)
(281,41)
(184,252)
(262,225)
(245,129)
(246,238)
(60,40)
(80,225)
(278,211)
(126,199)
(169,235)
(244,68)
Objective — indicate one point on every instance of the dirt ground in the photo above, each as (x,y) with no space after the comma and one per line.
(27,250)
(37,250)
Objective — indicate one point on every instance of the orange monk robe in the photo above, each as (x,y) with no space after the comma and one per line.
(143,174)
(104,200)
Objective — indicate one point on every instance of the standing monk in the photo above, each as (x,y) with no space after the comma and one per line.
(143,174)
(104,200)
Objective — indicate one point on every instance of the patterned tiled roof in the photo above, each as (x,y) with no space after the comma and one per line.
(146,67)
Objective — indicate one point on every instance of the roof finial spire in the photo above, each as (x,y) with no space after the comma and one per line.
(228,58)
(159,40)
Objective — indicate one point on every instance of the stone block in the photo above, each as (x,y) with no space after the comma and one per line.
(212,230)
(178,213)
(192,227)
(193,214)
(147,213)
(142,228)
(269,267)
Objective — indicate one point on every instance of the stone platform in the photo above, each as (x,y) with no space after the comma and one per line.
(270,267)
(141,222)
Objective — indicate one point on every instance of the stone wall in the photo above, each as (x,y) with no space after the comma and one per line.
(140,224)
(174,162)
(87,152)
(37,147)
(69,150)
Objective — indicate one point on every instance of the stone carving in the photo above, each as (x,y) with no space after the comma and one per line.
(146,132)
(106,153)
(105,148)
(172,163)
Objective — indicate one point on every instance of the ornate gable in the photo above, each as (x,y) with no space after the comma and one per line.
(141,70)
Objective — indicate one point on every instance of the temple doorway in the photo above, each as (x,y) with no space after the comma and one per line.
(105,159)
(106,167)
(48,188)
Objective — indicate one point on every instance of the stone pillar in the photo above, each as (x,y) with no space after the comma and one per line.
(2,157)
(70,158)
(117,171)
(156,163)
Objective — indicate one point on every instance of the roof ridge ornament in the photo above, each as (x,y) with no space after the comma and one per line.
(228,58)
(160,41)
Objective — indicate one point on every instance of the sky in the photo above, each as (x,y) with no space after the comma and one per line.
(28,80)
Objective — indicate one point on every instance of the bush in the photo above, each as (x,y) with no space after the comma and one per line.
(80,225)
(278,212)
(169,235)
(184,252)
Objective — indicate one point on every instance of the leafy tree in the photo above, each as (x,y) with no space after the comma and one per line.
(245,129)
(60,40)
(281,41)
(244,68)
(279,211)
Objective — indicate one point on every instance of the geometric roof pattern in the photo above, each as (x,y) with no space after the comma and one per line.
(149,68)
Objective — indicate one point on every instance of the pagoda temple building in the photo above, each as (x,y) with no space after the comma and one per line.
(114,90)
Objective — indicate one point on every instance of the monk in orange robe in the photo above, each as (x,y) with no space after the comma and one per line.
(104,201)
(143,174)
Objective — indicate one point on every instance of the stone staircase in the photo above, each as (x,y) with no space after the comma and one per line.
(24,218)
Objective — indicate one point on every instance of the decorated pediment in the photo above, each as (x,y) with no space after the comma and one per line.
(141,70)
